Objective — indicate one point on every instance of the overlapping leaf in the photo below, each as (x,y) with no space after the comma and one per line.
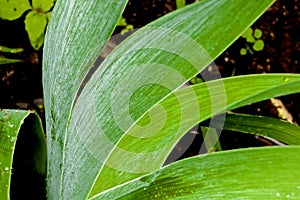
(136,76)
(264,126)
(262,173)
(149,149)
(75,36)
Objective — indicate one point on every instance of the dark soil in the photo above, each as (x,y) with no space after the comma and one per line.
(21,84)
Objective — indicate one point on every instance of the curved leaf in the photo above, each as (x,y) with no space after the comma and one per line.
(155,61)
(258,173)
(10,125)
(75,36)
(148,149)
(264,126)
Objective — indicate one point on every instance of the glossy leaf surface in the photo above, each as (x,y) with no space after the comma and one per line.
(155,61)
(149,149)
(76,34)
(259,173)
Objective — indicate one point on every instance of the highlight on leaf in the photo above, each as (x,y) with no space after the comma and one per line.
(110,136)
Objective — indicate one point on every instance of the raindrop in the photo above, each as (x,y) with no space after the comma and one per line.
(6,168)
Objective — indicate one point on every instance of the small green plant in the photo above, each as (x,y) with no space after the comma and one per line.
(253,39)
(36,19)
(127,27)
(196,80)
(5,60)
(110,140)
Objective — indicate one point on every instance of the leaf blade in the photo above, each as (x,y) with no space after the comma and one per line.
(74,38)
(167,45)
(149,153)
(243,173)
(264,126)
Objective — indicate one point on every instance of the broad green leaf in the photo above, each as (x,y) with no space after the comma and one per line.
(264,126)
(42,5)
(258,173)
(35,24)
(148,147)
(13,9)
(10,124)
(154,61)
(10,50)
(75,36)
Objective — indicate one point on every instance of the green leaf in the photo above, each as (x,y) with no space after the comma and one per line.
(258,45)
(35,24)
(76,34)
(48,14)
(180,4)
(42,5)
(4,60)
(13,9)
(211,139)
(243,51)
(196,80)
(122,22)
(259,173)
(154,61)
(247,33)
(10,50)
(148,147)
(69,56)
(264,126)
(10,124)
(250,39)
(257,33)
